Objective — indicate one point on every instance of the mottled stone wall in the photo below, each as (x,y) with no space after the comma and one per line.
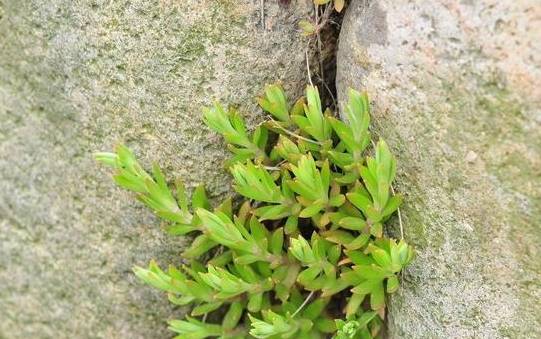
(456,91)
(78,77)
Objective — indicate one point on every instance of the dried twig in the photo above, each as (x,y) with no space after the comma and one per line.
(308,67)
(335,103)
(295,135)
(399,217)
(303,304)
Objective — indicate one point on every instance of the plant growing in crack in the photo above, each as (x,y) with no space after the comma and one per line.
(305,254)
(323,10)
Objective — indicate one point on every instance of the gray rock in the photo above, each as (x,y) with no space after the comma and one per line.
(456,90)
(79,76)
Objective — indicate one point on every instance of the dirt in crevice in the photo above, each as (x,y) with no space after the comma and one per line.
(324,66)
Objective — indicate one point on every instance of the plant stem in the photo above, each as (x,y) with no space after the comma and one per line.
(303,304)
(296,135)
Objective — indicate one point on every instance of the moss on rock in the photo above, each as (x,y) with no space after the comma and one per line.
(80,76)
(460,106)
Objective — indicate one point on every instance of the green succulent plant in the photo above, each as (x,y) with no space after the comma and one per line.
(304,255)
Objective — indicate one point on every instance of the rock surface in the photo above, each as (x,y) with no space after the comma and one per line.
(80,76)
(456,91)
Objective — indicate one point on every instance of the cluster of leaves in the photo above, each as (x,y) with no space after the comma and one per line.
(304,255)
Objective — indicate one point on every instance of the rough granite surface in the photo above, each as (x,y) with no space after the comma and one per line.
(456,91)
(79,76)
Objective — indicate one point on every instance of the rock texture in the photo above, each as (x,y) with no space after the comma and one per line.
(78,77)
(456,90)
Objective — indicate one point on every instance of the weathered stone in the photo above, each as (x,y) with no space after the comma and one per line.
(78,77)
(456,90)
